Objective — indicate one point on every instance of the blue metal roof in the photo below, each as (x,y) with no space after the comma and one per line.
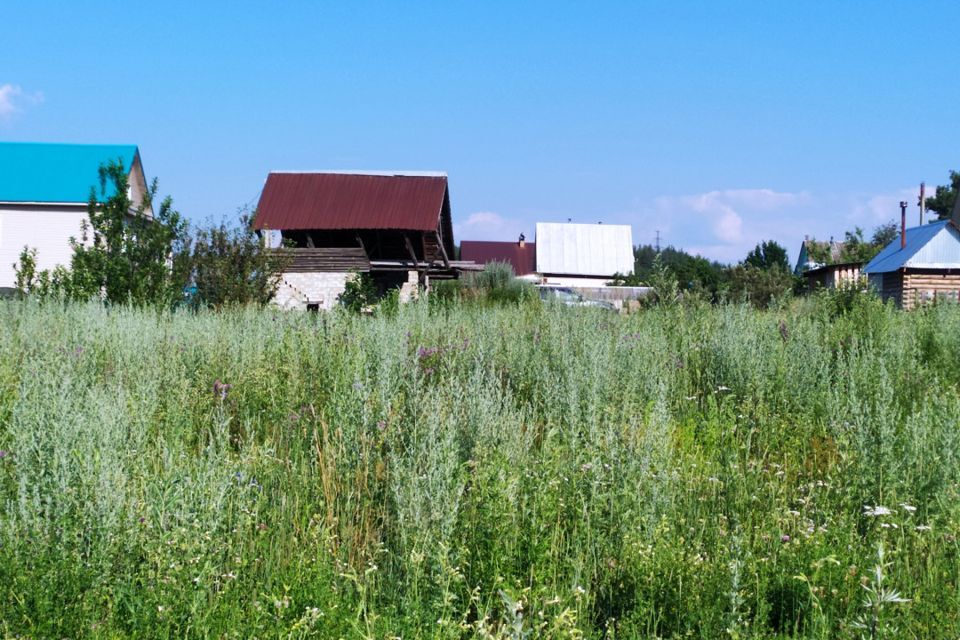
(931,246)
(43,172)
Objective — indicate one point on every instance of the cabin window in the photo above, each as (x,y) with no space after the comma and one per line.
(314,307)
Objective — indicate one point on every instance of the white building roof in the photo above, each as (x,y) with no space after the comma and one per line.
(584,249)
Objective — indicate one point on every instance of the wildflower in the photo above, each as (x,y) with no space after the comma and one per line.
(908,508)
(874,511)
(784,538)
(381,425)
(923,527)
(3,454)
(586,466)
(723,387)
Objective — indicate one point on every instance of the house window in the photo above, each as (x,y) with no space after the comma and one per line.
(313,306)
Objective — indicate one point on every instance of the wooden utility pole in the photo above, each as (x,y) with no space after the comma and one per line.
(923,201)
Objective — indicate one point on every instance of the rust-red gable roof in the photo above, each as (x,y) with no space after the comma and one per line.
(523,259)
(303,201)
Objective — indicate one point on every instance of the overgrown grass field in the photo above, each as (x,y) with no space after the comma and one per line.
(526,472)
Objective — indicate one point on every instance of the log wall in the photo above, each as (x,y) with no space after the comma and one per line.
(924,287)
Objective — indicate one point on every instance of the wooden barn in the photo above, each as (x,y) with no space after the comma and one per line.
(830,276)
(396,226)
(921,265)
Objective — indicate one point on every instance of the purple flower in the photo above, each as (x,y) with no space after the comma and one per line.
(381,425)
(3,454)
(784,538)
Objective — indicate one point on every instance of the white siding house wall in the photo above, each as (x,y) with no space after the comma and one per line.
(44,227)
(570,249)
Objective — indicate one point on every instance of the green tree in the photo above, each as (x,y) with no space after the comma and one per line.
(759,287)
(944,197)
(360,293)
(690,272)
(768,255)
(885,234)
(231,265)
(124,255)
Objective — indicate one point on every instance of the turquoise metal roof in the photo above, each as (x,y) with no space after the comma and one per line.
(43,172)
(931,246)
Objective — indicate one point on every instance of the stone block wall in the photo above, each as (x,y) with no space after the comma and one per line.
(298,290)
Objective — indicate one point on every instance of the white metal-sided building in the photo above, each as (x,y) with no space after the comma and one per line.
(45,190)
(583,255)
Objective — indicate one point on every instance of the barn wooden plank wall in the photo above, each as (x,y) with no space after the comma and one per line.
(325,259)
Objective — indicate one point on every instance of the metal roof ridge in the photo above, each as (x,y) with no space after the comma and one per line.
(362,172)
(927,225)
(588,224)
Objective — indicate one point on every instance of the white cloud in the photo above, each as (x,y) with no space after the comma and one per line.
(487,225)
(13,99)
(729,226)
(725,224)
(876,209)
(483,219)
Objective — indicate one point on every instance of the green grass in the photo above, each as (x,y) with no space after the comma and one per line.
(455,473)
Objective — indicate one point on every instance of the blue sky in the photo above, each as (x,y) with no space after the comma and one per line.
(720,124)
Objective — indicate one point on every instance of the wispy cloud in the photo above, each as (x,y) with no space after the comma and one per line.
(875,209)
(725,224)
(13,99)
(487,225)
